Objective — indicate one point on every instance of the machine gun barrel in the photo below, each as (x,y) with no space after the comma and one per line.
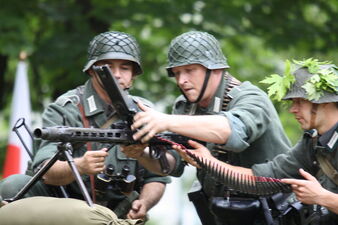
(116,136)
(77,134)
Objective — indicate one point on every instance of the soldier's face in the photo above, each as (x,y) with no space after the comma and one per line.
(314,116)
(307,115)
(121,69)
(190,79)
(301,108)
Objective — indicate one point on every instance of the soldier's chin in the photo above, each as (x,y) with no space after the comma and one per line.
(191,98)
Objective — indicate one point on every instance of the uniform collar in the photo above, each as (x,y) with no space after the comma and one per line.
(216,102)
(329,139)
(93,104)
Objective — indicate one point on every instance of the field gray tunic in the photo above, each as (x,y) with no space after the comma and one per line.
(303,155)
(257,134)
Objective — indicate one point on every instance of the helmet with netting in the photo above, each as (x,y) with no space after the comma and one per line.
(114,45)
(196,47)
(303,78)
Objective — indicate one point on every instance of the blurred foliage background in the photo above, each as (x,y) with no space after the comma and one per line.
(256,36)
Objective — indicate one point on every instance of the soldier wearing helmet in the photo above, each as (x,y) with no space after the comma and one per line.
(236,119)
(310,167)
(90,106)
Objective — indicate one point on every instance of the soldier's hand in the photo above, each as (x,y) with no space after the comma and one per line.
(92,162)
(149,122)
(307,191)
(198,150)
(133,151)
(138,210)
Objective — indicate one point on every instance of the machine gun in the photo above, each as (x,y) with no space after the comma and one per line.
(126,108)
(120,132)
(116,135)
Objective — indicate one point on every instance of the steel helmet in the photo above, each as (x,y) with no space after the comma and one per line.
(303,78)
(114,45)
(196,47)
(311,79)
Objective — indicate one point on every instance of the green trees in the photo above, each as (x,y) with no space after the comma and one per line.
(257,36)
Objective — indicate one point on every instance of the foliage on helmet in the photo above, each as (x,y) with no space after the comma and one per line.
(323,78)
(279,85)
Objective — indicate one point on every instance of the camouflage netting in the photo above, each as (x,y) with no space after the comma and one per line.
(196,48)
(114,45)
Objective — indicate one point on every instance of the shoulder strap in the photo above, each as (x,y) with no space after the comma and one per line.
(85,122)
(231,82)
(327,167)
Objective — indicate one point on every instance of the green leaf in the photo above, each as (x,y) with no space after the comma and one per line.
(324,80)
(313,65)
(279,84)
(273,90)
(311,91)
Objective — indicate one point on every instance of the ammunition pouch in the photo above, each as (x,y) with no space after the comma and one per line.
(235,210)
(277,209)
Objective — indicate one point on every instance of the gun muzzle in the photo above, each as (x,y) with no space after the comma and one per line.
(52,134)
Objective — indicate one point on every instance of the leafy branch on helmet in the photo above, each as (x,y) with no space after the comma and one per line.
(280,84)
(323,76)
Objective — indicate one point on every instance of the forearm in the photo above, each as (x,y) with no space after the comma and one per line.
(59,174)
(329,200)
(210,128)
(151,193)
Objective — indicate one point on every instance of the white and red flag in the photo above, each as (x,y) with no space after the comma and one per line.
(16,156)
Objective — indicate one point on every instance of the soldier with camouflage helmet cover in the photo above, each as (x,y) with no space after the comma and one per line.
(237,120)
(311,165)
(90,104)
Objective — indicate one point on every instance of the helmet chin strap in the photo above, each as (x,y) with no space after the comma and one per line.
(204,86)
(314,109)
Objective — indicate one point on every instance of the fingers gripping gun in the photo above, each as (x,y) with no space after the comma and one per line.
(126,108)
(119,133)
